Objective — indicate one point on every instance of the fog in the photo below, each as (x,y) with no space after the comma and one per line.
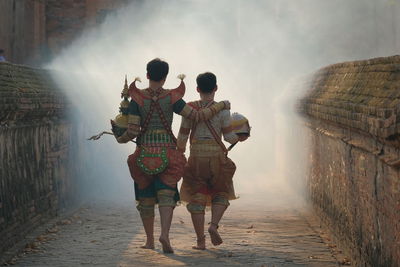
(259,50)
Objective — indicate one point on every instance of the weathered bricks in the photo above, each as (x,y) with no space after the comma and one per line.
(33,31)
(36,155)
(353,115)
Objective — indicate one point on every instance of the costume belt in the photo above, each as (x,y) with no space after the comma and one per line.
(156,138)
(205,148)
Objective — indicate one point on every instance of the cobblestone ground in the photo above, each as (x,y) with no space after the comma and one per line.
(110,235)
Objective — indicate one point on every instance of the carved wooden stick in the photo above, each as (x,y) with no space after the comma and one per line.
(97,137)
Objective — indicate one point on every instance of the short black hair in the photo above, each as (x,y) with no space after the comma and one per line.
(206,82)
(1,51)
(157,69)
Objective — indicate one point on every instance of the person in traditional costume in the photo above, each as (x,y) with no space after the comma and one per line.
(156,166)
(208,174)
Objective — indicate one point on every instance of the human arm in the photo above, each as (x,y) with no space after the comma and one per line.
(183,134)
(182,108)
(133,128)
(227,132)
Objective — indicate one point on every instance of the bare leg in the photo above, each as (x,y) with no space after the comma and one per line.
(166,219)
(217,211)
(198,224)
(148,224)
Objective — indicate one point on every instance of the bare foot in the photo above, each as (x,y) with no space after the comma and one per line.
(215,237)
(148,245)
(166,246)
(145,246)
(199,247)
(201,244)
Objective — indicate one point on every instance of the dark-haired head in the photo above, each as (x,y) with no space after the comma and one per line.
(1,51)
(206,82)
(157,70)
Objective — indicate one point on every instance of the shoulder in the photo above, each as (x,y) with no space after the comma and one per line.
(177,93)
(195,104)
(137,95)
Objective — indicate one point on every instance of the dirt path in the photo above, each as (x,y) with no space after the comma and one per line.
(110,235)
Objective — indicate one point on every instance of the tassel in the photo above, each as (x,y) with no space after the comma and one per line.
(181,77)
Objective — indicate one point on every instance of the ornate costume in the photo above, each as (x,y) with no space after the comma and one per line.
(156,166)
(208,174)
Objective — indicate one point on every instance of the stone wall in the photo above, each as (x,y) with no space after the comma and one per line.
(352,111)
(22,29)
(33,31)
(38,152)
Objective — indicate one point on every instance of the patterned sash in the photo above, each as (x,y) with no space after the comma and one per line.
(154,161)
(210,128)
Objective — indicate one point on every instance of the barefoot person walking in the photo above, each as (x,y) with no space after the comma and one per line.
(156,166)
(207,178)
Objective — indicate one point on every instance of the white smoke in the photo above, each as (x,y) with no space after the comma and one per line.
(257,49)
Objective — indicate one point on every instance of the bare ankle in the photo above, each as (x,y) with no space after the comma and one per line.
(201,243)
(149,244)
(201,238)
(164,236)
(167,248)
(213,226)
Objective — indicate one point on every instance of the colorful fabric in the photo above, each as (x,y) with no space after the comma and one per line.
(220,199)
(139,96)
(196,208)
(156,156)
(221,123)
(198,202)
(141,115)
(156,193)
(152,163)
(208,174)
(170,176)
(155,123)
(157,138)
(145,207)
(166,198)
(208,177)
(151,190)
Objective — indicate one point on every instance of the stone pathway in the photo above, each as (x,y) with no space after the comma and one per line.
(110,235)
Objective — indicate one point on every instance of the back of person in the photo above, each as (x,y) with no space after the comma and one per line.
(208,174)
(156,166)
(221,120)
(207,179)
(202,139)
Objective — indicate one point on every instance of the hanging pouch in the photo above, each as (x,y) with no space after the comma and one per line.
(152,163)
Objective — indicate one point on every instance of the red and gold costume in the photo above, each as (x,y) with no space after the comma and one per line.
(156,166)
(208,174)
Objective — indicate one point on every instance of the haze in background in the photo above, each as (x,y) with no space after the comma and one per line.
(259,50)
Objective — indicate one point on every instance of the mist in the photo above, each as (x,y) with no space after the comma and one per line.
(259,50)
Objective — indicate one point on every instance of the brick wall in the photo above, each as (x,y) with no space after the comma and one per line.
(66,19)
(352,111)
(38,152)
(22,30)
(33,31)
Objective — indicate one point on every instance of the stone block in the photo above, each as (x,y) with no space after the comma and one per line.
(369,87)
(355,192)
(33,125)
